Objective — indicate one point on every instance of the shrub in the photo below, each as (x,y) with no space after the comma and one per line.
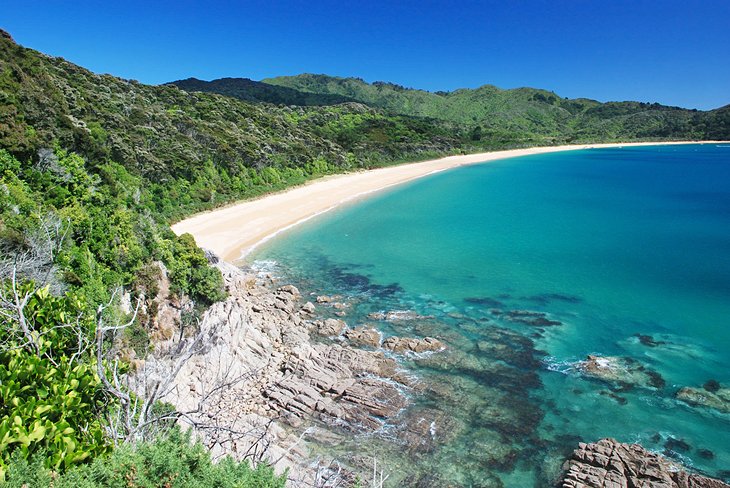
(170,461)
(50,395)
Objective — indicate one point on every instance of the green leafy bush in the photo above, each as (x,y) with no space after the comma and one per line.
(190,272)
(170,461)
(50,395)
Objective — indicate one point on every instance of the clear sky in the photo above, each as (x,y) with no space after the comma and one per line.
(667,51)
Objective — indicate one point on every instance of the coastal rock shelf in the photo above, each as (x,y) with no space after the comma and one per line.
(611,464)
(260,373)
(307,398)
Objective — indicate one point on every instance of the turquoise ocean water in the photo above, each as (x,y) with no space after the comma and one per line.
(612,243)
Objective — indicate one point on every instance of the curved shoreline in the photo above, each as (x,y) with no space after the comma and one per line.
(235,230)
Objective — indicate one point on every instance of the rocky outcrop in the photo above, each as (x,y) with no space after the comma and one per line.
(714,398)
(611,464)
(254,377)
(623,371)
(352,388)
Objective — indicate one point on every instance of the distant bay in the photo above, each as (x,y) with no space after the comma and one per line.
(525,267)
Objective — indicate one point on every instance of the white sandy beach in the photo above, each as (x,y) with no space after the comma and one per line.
(234,230)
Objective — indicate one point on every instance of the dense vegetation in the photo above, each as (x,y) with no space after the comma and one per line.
(94,168)
(74,226)
(256,91)
(170,461)
(195,150)
(545,116)
(70,233)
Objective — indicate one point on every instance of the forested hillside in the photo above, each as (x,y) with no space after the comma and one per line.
(257,91)
(88,184)
(94,168)
(492,111)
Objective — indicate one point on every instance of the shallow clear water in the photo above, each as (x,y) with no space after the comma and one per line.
(610,242)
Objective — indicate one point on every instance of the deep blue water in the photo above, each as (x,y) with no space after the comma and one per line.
(610,242)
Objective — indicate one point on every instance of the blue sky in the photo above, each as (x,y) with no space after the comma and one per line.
(667,51)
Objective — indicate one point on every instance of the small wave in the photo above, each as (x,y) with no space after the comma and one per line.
(683,459)
(264,266)
(401,314)
(564,366)
(415,356)
(401,388)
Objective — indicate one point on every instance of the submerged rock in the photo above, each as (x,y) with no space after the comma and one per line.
(677,445)
(396,315)
(619,399)
(409,344)
(546,298)
(718,399)
(527,317)
(713,386)
(422,429)
(705,454)
(648,340)
(486,301)
(611,464)
(510,347)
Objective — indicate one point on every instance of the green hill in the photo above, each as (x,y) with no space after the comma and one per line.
(527,110)
(173,138)
(256,91)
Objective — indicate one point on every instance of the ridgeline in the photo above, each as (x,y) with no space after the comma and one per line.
(490,115)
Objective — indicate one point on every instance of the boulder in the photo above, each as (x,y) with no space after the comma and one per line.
(363,336)
(308,308)
(290,289)
(330,327)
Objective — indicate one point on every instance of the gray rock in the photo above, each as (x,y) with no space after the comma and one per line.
(363,336)
(330,327)
(290,289)
(611,464)
(308,308)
